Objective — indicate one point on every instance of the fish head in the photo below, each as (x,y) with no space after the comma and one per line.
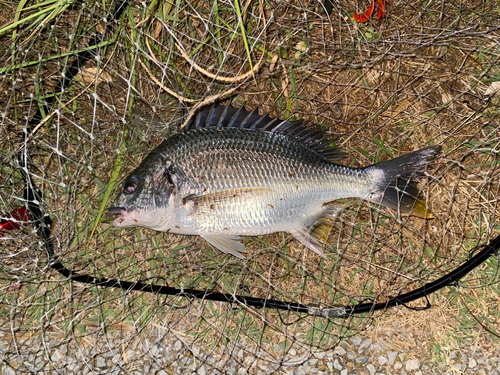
(145,199)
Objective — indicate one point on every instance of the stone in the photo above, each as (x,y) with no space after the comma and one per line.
(412,364)
(155,350)
(472,363)
(108,354)
(366,344)
(356,341)
(382,360)
(391,356)
(100,362)
(56,356)
(371,368)
(177,346)
(340,350)
(337,365)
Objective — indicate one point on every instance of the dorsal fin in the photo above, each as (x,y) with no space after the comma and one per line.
(228,116)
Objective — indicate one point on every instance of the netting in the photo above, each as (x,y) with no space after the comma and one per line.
(426,74)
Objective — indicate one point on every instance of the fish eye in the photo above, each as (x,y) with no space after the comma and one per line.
(130,186)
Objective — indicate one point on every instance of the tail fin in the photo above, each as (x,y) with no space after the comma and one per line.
(397,188)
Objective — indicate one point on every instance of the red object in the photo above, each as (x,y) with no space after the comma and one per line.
(381,9)
(367,15)
(19,217)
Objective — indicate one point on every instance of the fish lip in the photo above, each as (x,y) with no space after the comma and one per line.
(117,210)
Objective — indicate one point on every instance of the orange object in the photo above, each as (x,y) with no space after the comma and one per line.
(367,15)
(381,9)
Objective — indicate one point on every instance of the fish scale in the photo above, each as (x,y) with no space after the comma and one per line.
(231,172)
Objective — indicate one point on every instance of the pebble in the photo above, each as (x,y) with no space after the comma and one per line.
(100,362)
(472,363)
(337,364)
(355,341)
(382,360)
(365,344)
(155,350)
(56,356)
(300,371)
(177,346)
(412,364)
(340,350)
(391,356)
(174,357)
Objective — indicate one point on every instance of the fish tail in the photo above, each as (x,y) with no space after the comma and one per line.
(397,182)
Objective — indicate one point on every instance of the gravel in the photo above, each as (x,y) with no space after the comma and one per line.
(172,356)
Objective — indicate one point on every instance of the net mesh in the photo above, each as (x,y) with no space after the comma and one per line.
(425,74)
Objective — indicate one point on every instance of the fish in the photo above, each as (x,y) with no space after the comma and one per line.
(231,172)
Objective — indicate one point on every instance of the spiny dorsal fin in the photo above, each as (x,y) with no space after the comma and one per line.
(228,116)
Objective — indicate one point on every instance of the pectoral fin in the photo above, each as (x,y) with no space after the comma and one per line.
(229,244)
(316,230)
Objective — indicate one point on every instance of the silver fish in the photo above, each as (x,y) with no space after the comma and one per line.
(231,172)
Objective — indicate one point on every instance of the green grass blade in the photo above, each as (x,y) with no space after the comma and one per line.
(19,9)
(30,17)
(244,35)
(111,185)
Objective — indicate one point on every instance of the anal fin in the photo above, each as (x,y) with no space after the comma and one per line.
(229,244)
(316,230)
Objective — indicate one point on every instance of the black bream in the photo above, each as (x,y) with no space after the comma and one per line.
(231,172)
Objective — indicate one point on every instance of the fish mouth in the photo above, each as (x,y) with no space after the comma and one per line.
(121,212)
(117,210)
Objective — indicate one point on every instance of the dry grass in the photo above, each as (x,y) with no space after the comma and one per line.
(416,78)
